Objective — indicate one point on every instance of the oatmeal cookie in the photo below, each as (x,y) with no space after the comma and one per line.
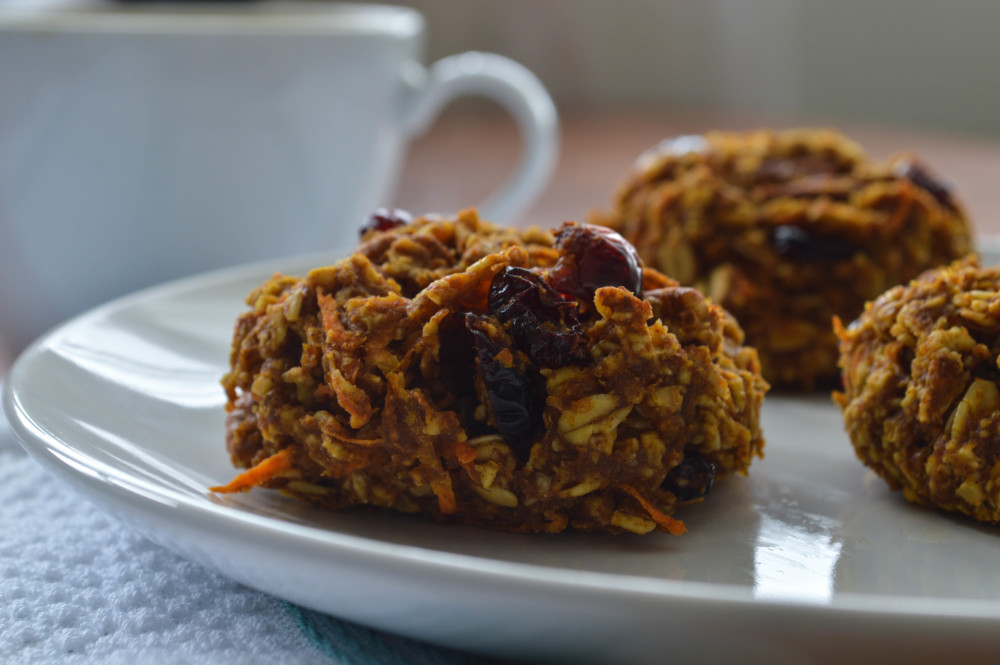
(521,380)
(787,230)
(921,397)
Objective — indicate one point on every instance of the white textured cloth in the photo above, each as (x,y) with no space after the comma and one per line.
(77,587)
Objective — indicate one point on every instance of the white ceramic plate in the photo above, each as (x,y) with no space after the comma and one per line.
(810,559)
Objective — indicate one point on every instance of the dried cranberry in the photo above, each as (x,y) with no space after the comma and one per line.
(691,479)
(542,322)
(796,244)
(591,257)
(384,219)
(514,399)
(919,176)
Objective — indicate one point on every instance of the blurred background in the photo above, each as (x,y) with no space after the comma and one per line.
(922,63)
(896,75)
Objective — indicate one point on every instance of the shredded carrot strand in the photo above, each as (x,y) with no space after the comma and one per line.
(445,495)
(670,525)
(269,468)
(327,310)
(464,453)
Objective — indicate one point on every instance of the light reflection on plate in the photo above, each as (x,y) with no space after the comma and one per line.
(810,559)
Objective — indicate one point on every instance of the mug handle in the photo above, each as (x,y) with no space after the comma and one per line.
(512,86)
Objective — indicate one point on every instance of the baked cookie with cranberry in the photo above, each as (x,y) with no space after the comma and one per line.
(787,229)
(478,375)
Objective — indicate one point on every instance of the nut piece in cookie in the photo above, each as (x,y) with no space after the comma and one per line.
(515,379)
(921,396)
(787,230)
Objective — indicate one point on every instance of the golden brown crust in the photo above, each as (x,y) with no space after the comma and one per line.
(434,246)
(369,386)
(921,401)
(787,230)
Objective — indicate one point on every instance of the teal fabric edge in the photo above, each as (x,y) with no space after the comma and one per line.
(346,643)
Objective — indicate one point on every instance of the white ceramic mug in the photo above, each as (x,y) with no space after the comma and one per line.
(144,144)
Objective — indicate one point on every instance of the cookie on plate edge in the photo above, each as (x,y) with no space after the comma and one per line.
(521,380)
(921,397)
